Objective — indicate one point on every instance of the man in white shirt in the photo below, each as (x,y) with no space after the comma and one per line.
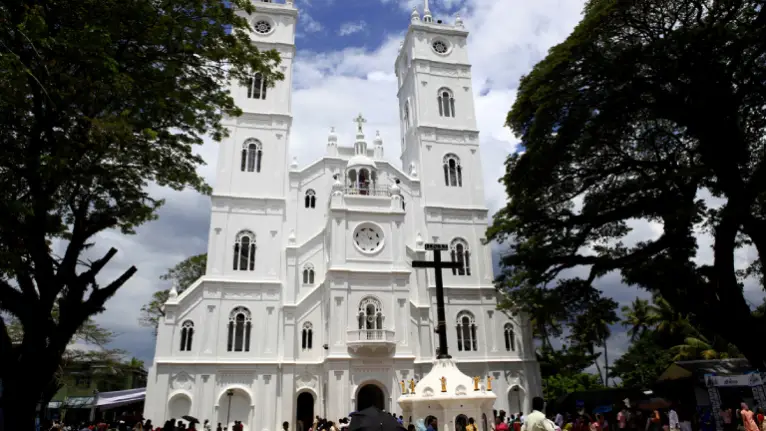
(559,421)
(673,420)
(536,421)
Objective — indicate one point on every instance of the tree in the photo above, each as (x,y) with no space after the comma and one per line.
(644,361)
(591,329)
(639,318)
(646,108)
(98,99)
(562,370)
(183,275)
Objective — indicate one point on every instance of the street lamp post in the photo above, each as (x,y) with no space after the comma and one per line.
(229,393)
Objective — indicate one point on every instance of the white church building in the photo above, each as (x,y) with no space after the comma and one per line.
(310,305)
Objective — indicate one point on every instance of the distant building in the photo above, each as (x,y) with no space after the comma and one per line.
(82,381)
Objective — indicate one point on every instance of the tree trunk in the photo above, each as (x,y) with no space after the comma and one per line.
(606,365)
(19,403)
(598,368)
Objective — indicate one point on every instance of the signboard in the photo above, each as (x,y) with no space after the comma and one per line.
(434,246)
(731,381)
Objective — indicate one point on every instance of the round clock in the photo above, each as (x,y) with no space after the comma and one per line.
(368,238)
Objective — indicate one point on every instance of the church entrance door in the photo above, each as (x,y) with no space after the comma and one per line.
(304,411)
(370,395)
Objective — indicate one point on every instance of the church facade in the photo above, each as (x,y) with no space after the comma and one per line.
(310,305)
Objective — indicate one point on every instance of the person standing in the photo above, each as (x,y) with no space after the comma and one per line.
(536,421)
(726,416)
(747,418)
(673,420)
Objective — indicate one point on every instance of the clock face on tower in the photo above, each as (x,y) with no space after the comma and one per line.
(368,238)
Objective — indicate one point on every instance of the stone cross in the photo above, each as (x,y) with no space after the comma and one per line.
(438,265)
(359,121)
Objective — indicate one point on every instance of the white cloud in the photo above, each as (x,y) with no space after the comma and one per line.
(349,28)
(308,24)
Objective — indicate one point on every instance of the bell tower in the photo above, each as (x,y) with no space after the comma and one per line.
(440,139)
(253,159)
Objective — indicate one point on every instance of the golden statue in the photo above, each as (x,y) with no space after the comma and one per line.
(444,384)
(476,383)
(404,388)
(489,383)
(412,386)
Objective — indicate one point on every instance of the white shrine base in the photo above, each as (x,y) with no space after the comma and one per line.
(450,402)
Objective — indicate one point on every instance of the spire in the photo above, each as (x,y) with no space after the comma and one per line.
(414,16)
(426,12)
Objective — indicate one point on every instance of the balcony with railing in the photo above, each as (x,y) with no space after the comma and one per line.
(372,339)
(368,190)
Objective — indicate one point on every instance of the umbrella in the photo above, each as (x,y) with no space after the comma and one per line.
(373,419)
(191,419)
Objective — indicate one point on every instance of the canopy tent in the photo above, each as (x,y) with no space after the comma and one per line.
(108,400)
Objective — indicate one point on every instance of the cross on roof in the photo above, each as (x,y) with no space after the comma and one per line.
(438,265)
(359,120)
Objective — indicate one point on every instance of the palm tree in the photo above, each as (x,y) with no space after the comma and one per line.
(667,321)
(640,317)
(592,329)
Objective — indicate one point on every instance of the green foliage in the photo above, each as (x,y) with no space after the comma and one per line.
(562,370)
(183,275)
(558,384)
(645,108)
(644,361)
(98,100)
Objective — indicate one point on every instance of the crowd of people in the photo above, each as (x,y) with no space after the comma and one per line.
(626,419)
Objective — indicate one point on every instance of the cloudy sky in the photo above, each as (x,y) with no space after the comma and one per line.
(346,53)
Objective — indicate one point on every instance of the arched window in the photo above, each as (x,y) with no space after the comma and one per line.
(244,251)
(371,317)
(446,103)
(187,333)
(510,338)
(460,254)
(406,116)
(240,324)
(453,173)
(466,332)
(308,274)
(252,153)
(307,336)
(257,87)
(310,201)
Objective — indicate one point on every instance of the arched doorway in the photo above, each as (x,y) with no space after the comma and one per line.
(461,421)
(179,405)
(304,411)
(234,406)
(370,395)
(515,400)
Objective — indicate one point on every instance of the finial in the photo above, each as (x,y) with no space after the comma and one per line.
(359,120)
(378,139)
(294,163)
(414,16)
(458,21)
(332,137)
(173,290)
(291,237)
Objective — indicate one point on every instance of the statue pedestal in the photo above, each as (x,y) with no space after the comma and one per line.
(448,394)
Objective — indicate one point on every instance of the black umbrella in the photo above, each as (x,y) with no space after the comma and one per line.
(191,419)
(373,419)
